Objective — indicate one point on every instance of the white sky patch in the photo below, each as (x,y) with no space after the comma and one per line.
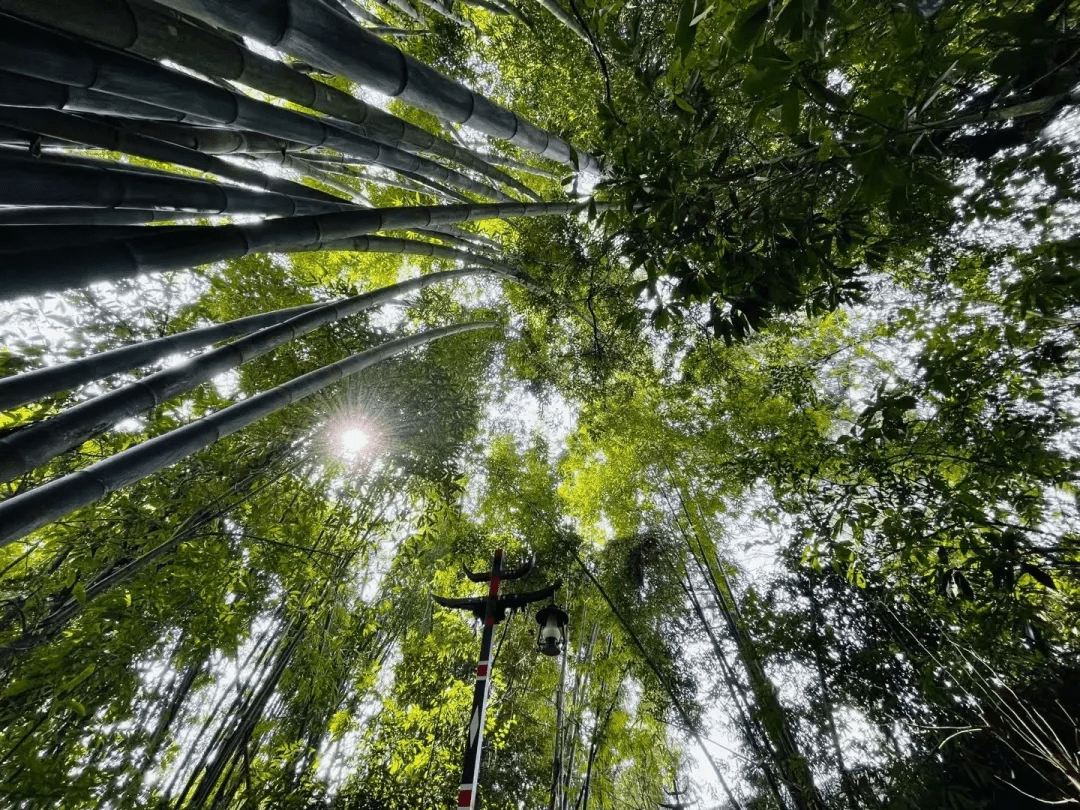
(227,384)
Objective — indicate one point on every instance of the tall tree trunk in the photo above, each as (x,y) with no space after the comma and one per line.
(33,445)
(20,389)
(557,762)
(29,50)
(773,718)
(31,510)
(755,736)
(253,663)
(37,271)
(329,39)
(847,784)
(239,737)
(104,136)
(791,763)
(103,184)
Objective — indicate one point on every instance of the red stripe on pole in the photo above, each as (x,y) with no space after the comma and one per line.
(464,798)
(481,671)
(494,589)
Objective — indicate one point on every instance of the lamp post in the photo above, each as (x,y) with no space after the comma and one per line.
(491,610)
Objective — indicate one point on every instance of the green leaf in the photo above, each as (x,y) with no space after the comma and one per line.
(790,110)
(1039,575)
(684,105)
(71,683)
(765,82)
(748,27)
(686,27)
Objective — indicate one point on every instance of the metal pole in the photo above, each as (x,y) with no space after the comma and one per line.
(470,772)
(557,763)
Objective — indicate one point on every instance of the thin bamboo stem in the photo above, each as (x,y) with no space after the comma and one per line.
(43,382)
(38,507)
(32,446)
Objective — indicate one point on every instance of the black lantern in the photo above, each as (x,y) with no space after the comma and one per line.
(551,638)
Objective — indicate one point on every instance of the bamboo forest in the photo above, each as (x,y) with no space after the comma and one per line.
(539,404)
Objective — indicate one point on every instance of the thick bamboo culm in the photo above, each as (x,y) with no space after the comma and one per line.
(154,33)
(32,51)
(78,129)
(30,386)
(327,38)
(32,272)
(106,184)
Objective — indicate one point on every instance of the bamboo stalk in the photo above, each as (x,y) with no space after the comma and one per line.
(103,184)
(510,163)
(329,39)
(553,8)
(357,11)
(105,136)
(27,237)
(44,270)
(311,172)
(389,31)
(60,215)
(28,448)
(38,507)
(26,91)
(32,51)
(43,382)
(408,182)
(443,11)
(150,31)
(211,140)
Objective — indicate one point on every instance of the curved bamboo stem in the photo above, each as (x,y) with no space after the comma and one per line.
(103,184)
(20,90)
(33,445)
(43,382)
(31,510)
(553,8)
(105,136)
(211,140)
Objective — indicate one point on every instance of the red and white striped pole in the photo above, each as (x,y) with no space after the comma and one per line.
(474,743)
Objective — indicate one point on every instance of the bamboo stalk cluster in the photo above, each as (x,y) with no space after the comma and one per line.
(121,120)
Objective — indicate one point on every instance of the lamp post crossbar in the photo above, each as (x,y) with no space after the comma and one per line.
(491,609)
